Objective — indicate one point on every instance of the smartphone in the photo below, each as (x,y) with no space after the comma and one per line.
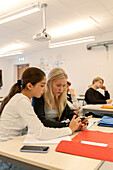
(37,149)
(83,119)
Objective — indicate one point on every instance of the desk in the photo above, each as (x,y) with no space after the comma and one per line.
(9,151)
(96,109)
(81,98)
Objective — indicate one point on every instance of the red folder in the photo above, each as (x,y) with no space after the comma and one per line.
(96,152)
(94,136)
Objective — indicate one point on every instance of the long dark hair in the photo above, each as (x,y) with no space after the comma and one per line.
(31,75)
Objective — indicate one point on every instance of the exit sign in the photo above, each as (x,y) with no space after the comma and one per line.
(21,59)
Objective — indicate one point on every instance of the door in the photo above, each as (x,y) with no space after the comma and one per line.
(20,69)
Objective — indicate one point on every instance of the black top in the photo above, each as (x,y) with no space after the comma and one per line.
(95,97)
(38,105)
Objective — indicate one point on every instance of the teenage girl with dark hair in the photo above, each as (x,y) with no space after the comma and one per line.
(17,113)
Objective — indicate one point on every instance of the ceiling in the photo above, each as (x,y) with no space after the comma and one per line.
(86,17)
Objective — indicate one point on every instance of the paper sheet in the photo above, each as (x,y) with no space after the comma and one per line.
(30,139)
(91,122)
(94,143)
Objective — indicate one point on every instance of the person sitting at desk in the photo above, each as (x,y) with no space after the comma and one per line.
(92,96)
(16,112)
(52,107)
(72,100)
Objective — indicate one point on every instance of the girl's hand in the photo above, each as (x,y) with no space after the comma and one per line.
(82,127)
(108,101)
(75,123)
(85,123)
(104,88)
(76,111)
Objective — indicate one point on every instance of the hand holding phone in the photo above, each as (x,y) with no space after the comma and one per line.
(85,119)
(37,149)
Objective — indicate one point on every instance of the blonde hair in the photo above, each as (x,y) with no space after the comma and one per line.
(97,79)
(56,73)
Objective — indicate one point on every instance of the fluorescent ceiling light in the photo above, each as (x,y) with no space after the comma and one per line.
(11,53)
(70,28)
(19,13)
(12,47)
(71,42)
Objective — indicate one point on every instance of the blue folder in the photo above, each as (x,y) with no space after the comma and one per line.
(106,121)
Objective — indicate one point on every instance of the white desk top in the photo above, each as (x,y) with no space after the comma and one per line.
(96,107)
(52,160)
(101,128)
(80,97)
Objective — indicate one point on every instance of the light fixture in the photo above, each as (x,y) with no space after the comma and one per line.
(13,49)
(19,13)
(68,29)
(11,53)
(71,42)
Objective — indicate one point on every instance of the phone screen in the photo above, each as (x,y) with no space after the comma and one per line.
(39,149)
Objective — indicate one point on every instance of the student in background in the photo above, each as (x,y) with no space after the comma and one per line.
(92,96)
(72,100)
(16,112)
(52,107)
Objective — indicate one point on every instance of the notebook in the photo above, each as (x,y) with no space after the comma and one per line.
(106,121)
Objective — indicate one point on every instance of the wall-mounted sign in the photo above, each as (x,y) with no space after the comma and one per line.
(21,59)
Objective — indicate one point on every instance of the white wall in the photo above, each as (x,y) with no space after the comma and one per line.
(7,76)
(81,65)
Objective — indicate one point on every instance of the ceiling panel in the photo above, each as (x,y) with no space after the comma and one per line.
(63,13)
(104,25)
(111,11)
(59,13)
(33,19)
(102,16)
(92,8)
(16,25)
(108,4)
